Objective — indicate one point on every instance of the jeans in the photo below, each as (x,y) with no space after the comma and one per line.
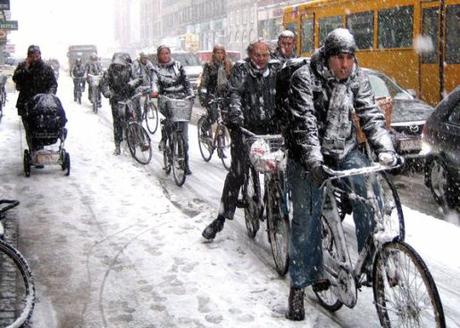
(305,249)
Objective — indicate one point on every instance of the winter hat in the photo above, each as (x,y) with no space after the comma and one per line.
(339,41)
(33,49)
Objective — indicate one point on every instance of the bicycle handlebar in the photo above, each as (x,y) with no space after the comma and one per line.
(337,174)
(12,204)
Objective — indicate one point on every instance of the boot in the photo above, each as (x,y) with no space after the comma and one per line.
(117,150)
(296,311)
(213,228)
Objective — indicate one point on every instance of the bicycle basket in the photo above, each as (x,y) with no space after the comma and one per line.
(266,154)
(179,110)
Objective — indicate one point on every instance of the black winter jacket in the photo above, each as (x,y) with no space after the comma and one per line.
(309,98)
(38,78)
(252,97)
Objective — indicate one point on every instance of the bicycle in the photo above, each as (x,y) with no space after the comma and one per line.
(179,112)
(217,138)
(150,112)
(267,156)
(94,91)
(405,294)
(16,279)
(136,136)
(78,88)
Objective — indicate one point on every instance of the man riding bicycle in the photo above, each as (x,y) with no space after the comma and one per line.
(78,74)
(252,106)
(93,67)
(214,84)
(169,79)
(323,98)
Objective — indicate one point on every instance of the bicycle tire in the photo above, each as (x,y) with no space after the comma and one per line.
(151,117)
(327,298)
(251,198)
(20,275)
(178,159)
(277,228)
(94,105)
(139,143)
(205,142)
(27,163)
(167,157)
(224,146)
(392,209)
(79,97)
(390,277)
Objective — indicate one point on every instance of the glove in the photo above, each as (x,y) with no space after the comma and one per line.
(317,174)
(389,158)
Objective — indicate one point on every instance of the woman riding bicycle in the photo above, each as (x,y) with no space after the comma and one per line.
(169,79)
(214,84)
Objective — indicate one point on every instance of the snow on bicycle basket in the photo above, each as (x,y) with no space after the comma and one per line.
(179,110)
(266,154)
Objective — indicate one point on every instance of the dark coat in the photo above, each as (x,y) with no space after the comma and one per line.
(116,83)
(38,78)
(252,97)
(309,98)
(208,85)
(78,71)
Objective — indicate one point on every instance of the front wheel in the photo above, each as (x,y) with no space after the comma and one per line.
(151,117)
(252,202)
(405,293)
(204,140)
(178,159)
(278,228)
(139,143)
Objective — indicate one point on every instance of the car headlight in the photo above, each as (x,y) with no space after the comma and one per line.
(426,148)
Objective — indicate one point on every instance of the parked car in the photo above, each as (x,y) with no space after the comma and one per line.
(191,64)
(408,114)
(441,140)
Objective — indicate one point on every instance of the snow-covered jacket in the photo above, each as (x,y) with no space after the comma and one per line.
(170,79)
(37,78)
(252,97)
(144,71)
(208,87)
(78,71)
(94,68)
(320,114)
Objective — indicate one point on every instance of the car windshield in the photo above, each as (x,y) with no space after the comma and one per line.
(383,86)
(186,59)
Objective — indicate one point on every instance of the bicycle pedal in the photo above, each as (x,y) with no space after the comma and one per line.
(321,285)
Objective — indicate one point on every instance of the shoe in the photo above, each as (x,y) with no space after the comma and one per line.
(296,311)
(213,228)
(187,171)
(321,285)
(117,150)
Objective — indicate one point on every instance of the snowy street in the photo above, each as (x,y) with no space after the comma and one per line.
(118,244)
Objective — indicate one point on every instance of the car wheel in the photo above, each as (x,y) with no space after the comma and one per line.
(440,183)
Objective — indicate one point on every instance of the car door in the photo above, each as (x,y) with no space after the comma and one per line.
(449,137)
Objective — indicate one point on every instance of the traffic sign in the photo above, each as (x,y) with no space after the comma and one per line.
(8,25)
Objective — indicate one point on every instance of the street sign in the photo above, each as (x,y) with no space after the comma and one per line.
(8,25)
(4,4)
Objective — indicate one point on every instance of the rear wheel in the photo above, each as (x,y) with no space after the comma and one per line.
(167,156)
(204,140)
(151,117)
(405,294)
(278,228)
(251,199)
(224,146)
(139,143)
(27,164)
(178,159)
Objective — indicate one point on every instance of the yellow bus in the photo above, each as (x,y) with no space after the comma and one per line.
(416,42)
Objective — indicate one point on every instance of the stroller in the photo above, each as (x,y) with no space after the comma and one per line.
(45,126)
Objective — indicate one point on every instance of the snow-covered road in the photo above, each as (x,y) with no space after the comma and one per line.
(118,244)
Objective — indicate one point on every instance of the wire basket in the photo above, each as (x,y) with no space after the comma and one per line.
(179,110)
(267,153)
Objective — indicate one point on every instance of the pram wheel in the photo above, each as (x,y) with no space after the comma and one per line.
(27,161)
(66,163)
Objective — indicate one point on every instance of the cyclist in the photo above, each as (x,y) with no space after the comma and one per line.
(32,77)
(143,68)
(78,73)
(214,83)
(252,106)
(118,84)
(93,67)
(285,47)
(169,79)
(322,99)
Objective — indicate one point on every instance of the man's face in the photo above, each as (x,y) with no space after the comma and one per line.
(260,55)
(164,56)
(34,57)
(144,60)
(286,46)
(341,65)
(220,54)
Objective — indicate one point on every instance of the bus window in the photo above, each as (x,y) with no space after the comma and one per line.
(328,24)
(453,35)
(361,25)
(430,23)
(395,27)
(307,34)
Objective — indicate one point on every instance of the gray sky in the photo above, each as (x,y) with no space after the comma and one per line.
(55,24)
